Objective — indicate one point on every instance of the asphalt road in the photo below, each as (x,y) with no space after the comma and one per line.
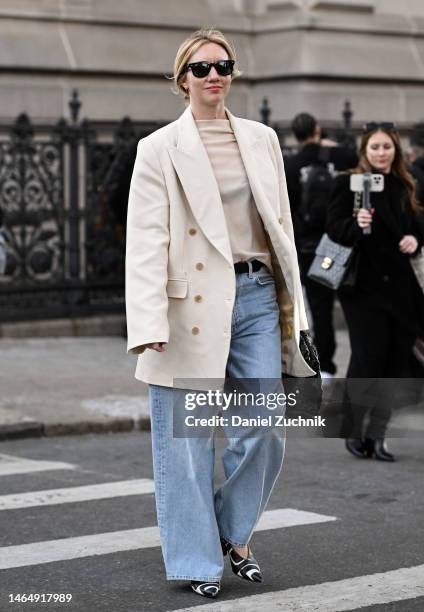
(371,513)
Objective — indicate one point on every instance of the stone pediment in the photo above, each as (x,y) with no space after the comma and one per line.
(284,48)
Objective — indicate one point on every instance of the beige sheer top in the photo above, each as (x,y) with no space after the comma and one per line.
(245,228)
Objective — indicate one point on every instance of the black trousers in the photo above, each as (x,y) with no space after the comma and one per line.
(321,303)
(381,348)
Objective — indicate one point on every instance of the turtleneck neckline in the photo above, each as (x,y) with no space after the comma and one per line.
(214,127)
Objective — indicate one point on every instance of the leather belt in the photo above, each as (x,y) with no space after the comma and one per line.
(243,266)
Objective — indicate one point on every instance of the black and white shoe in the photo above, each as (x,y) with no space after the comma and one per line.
(245,568)
(207,589)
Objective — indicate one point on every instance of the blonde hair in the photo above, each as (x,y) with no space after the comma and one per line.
(190,45)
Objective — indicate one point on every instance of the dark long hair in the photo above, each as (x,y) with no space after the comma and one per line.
(399,168)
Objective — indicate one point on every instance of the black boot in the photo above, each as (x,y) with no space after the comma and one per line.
(380,451)
(245,568)
(369,445)
(357,447)
(206,589)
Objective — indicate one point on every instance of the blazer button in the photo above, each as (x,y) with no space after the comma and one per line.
(192,231)
(199,266)
(280,220)
(198,298)
(195,330)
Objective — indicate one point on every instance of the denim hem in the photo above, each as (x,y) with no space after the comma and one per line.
(233,543)
(197,578)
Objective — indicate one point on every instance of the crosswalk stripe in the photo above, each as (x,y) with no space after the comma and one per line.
(78,547)
(337,596)
(10,465)
(51,497)
(133,539)
(290,517)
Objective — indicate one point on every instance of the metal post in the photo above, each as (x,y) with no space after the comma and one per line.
(22,134)
(265,111)
(74,212)
(347,137)
(347,115)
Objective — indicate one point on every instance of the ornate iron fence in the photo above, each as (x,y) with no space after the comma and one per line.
(63,192)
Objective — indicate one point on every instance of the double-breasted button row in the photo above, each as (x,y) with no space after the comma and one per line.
(197,298)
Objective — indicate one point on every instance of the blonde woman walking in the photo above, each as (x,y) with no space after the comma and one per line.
(212,290)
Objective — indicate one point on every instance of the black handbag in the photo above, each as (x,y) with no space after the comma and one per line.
(334,265)
(309,352)
(308,389)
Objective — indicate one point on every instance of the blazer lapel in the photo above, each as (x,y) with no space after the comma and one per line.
(195,172)
(264,183)
(260,171)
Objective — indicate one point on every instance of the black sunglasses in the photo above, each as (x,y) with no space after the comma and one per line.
(202,69)
(374,125)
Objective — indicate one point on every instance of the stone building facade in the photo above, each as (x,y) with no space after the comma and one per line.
(301,54)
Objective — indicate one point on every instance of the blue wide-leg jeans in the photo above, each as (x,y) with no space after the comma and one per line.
(191,515)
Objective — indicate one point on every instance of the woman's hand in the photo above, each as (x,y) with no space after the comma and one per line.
(408,244)
(157,346)
(364,217)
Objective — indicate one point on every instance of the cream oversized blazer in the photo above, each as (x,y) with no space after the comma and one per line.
(180,279)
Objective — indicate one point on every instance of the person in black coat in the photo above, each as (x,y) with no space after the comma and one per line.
(304,174)
(384,310)
(313,149)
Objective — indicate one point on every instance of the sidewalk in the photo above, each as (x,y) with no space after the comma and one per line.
(74,385)
(70,385)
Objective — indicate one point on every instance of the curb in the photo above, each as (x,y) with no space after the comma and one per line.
(34,429)
(98,326)
(13,431)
